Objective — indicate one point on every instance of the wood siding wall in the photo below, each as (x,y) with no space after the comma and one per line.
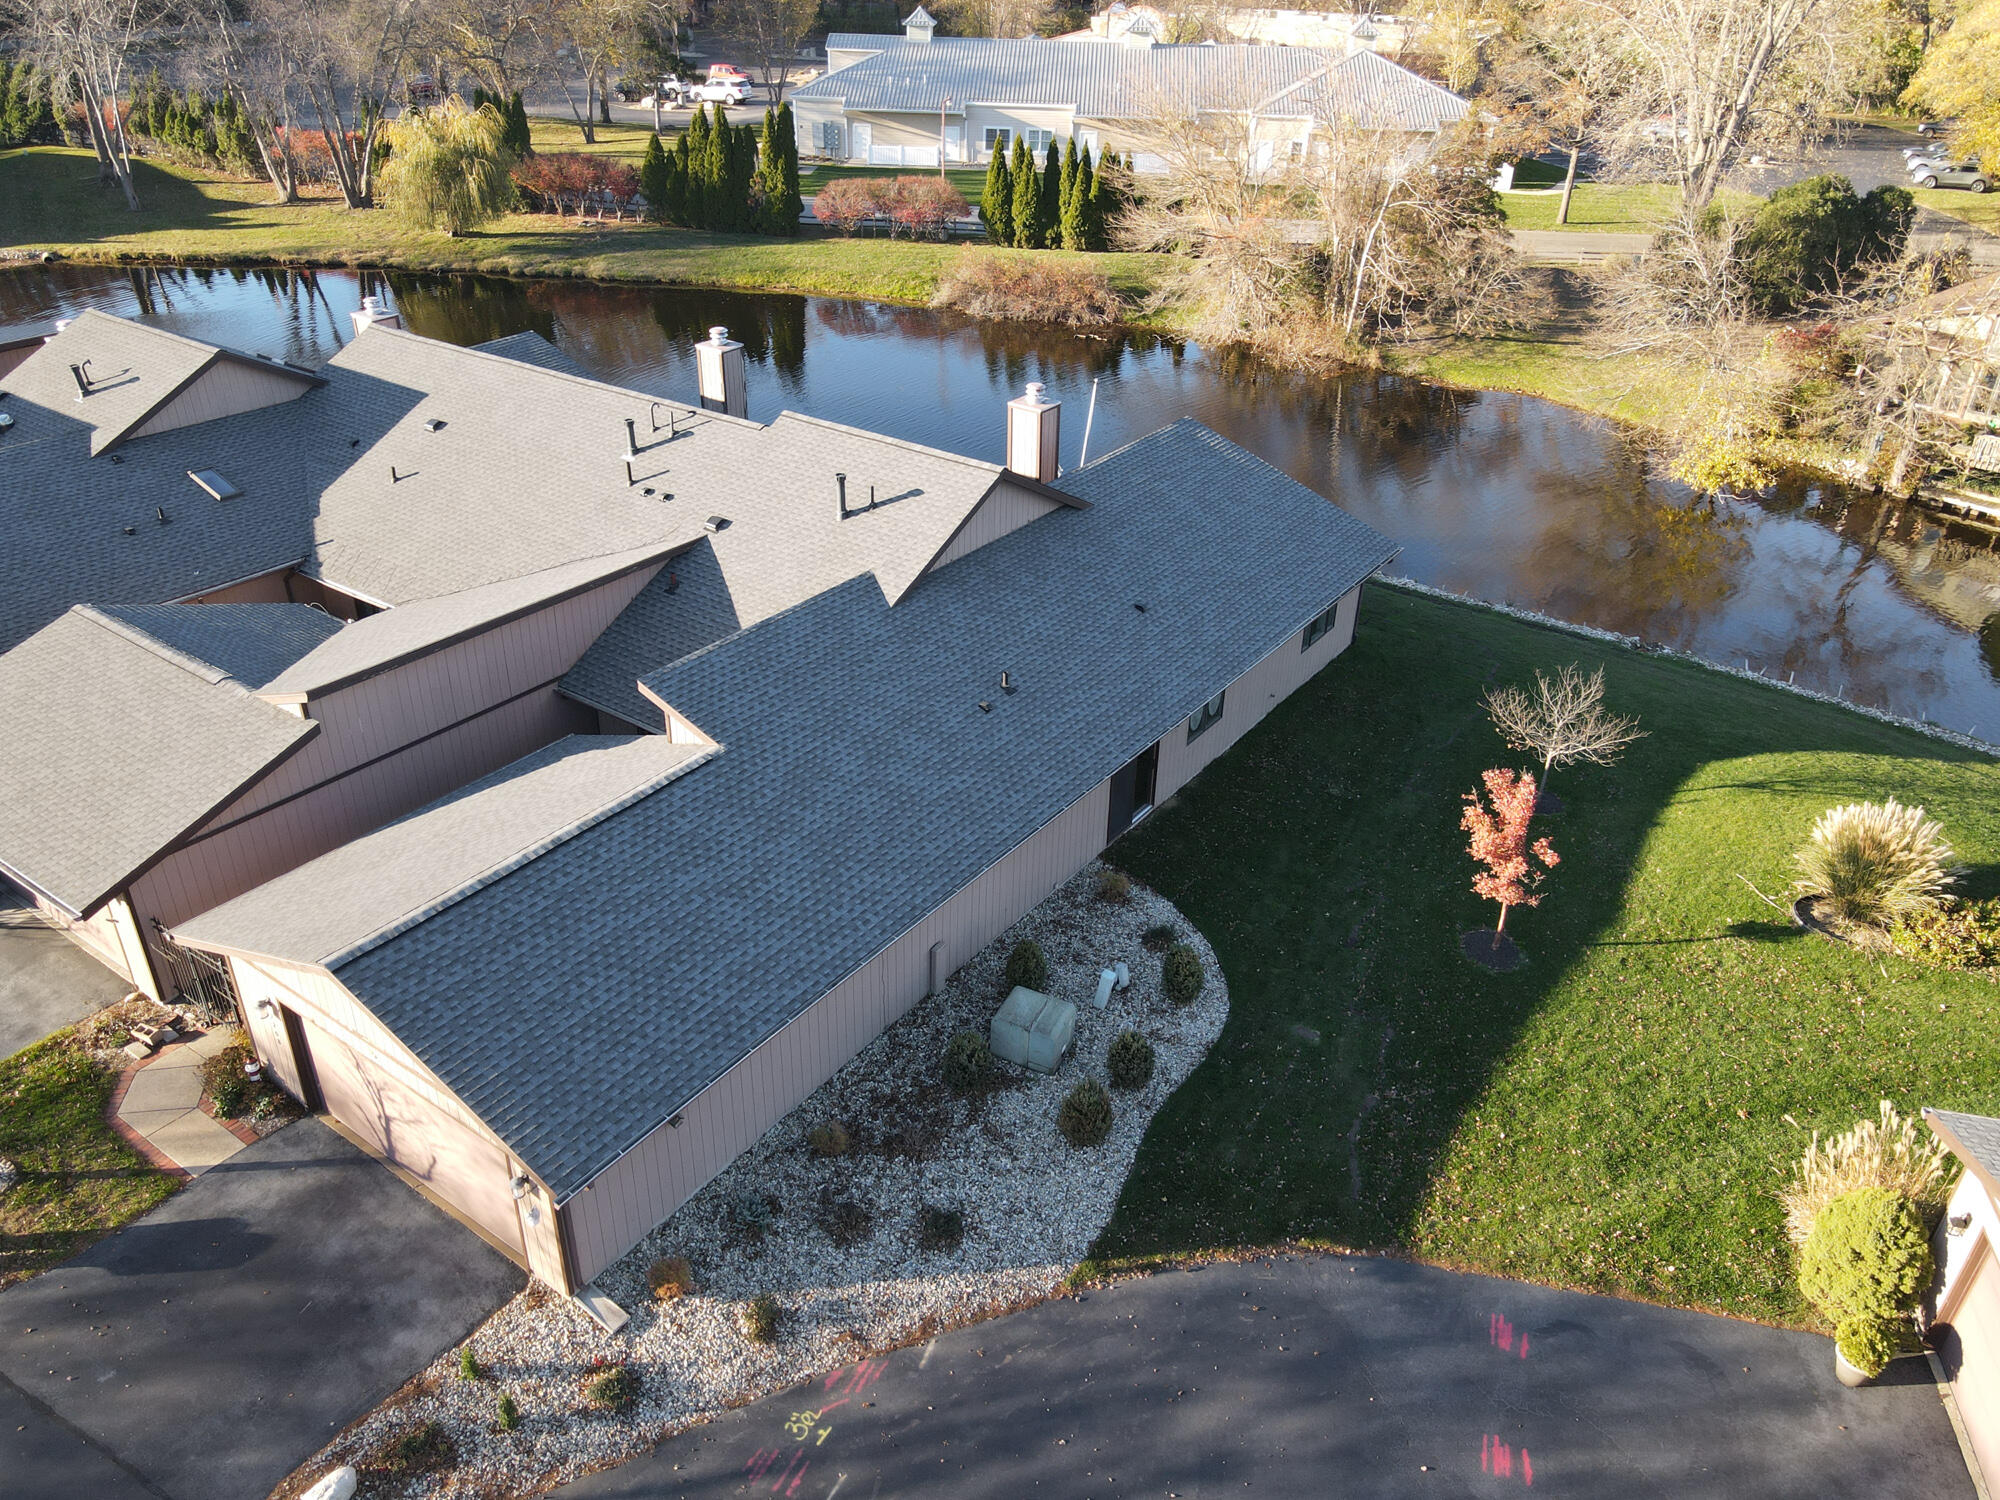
(222,390)
(445,1156)
(671,1164)
(1007,509)
(265,588)
(111,936)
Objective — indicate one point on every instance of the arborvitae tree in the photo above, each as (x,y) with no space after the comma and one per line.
(25,115)
(743,175)
(996,200)
(653,174)
(518,141)
(683,181)
(1103,202)
(234,143)
(1052,197)
(770,177)
(715,173)
(788,145)
(1025,206)
(1075,213)
(696,142)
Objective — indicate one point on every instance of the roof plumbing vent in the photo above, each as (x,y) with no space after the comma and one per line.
(372,312)
(1034,434)
(718,368)
(81,375)
(840,484)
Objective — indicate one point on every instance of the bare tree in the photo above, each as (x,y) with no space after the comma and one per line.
(1556,86)
(772,31)
(1000,18)
(493,40)
(1562,721)
(246,63)
(588,38)
(346,59)
(83,45)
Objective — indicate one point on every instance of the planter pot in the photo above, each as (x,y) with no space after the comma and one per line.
(1848,1375)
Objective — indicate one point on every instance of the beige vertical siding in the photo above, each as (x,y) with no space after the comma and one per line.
(111,936)
(9,358)
(1008,508)
(222,390)
(396,1105)
(265,588)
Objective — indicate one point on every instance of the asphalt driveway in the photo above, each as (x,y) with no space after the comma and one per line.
(1328,1375)
(46,981)
(206,1350)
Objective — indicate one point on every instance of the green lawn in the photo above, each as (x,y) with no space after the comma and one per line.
(1981,210)
(1611,1116)
(79,1180)
(971,181)
(1604,208)
(50,198)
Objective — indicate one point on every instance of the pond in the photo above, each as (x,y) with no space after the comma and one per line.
(1506,498)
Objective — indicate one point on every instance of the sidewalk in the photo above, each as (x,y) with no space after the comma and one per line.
(156,1106)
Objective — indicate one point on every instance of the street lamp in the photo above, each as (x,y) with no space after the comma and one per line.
(941,152)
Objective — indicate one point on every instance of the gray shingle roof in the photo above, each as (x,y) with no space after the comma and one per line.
(249,643)
(382,640)
(1979,1135)
(530,348)
(116,748)
(362,894)
(860,787)
(685,608)
(1111,81)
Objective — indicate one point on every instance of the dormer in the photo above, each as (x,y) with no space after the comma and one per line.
(918,25)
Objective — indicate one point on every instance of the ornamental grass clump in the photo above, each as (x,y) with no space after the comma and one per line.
(1085,1116)
(1888,1151)
(1868,1257)
(1871,862)
(670,1278)
(759,1319)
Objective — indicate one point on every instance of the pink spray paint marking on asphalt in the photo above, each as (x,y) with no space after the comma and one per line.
(1500,1333)
(1497,1458)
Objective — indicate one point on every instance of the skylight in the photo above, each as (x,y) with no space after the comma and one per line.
(214,483)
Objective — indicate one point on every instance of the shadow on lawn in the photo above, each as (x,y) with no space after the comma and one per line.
(46,186)
(1338,818)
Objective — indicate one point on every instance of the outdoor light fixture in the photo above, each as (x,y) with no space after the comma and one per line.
(521,1186)
(266,1008)
(1958,1223)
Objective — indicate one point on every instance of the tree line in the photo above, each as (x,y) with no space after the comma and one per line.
(731,178)
(1069,203)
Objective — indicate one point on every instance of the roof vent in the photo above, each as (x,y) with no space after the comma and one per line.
(435,424)
(214,483)
(715,523)
(5,421)
(1007,682)
(81,375)
(840,484)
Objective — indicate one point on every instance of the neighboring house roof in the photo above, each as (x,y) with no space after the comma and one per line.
(861,786)
(249,644)
(133,369)
(120,742)
(347,901)
(530,348)
(392,636)
(1110,81)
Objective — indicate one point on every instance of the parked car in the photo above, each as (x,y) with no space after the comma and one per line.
(714,91)
(1936,127)
(726,70)
(1964,175)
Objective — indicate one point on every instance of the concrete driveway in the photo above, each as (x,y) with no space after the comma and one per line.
(46,981)
(208,1349)
(1328,1375)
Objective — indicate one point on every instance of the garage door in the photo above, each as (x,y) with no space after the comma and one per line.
(457,1164)
(1971,1356)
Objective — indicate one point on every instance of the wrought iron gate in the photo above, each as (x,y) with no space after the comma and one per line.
(203,979)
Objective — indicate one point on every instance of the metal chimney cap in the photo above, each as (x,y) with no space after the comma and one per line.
(371,303)
(719,334)
(1037,393)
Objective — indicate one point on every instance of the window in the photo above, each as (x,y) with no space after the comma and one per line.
(829,136)
(1211,713)
(998,139)
(1038,140)
(1298,150)
(1321,626)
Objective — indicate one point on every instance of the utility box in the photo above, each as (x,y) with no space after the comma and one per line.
(1033,1029)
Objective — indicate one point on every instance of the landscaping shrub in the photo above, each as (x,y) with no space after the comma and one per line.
(1159,938)
(843,204)
(924,208)
(1181,977)
(940,1230)
(468,1366)
(222,1078)
(1114,886)
(830,1139)
(968,1062)
(1026,965)
(423,1449)
(1085,1116)
(846,1222)
(1960,935)
(509,1413)
(1868,1343)
(1810,236)
(1868,1257)
(751,1214)
(1028,290)
(1129,1061)
(1887,1152)
(611,1388)
(1874,861)
(759,1319)
(670,1277)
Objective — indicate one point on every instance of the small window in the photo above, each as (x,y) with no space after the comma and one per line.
(214,483)
(1298,150)
(998,140)
(1038,140)
(1321,626)
(1211,713)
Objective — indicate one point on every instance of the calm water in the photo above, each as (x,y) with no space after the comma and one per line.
(1503,497)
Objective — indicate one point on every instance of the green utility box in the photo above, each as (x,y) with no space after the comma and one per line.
(1033,1029)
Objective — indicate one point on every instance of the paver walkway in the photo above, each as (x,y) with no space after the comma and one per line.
(1328,1375)
(160,1103)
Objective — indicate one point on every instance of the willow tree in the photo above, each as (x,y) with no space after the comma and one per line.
(447,167)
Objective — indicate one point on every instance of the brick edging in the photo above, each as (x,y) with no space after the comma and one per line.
(152,1155)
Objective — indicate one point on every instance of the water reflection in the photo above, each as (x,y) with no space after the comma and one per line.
(1502,497)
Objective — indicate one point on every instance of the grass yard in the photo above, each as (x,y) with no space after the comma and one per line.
(971,181)
(1606,208)
(79,1180)
(1616,1115)
(50,198)
(1980,210)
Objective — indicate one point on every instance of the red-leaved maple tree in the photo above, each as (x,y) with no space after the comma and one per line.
(1500,841)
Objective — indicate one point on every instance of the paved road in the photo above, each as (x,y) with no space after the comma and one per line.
(208,1349)
(46,981)
(1328,1376)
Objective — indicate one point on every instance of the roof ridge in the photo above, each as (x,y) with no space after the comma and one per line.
(145,639)
(501,869)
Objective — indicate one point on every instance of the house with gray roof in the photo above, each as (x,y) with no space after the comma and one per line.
(561,813)
(915,99)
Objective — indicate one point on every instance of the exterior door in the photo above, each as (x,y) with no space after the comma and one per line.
(1132,791)
(1969,1349)
(450,1159)
(860,140)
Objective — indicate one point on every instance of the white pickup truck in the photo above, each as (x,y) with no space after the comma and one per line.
(675,93)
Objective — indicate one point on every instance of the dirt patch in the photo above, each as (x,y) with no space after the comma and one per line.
(1490,950)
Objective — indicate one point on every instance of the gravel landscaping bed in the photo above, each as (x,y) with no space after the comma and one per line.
(855,1249)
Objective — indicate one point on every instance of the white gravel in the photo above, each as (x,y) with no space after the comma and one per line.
(1032,1207)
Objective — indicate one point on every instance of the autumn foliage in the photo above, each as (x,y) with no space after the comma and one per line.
(1499,828)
